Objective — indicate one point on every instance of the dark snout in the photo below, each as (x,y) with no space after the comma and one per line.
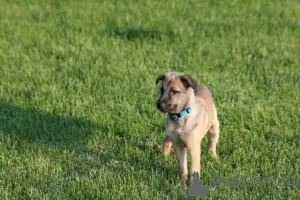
(164,106)
(159,105)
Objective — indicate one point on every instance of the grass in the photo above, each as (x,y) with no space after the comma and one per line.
(77,95)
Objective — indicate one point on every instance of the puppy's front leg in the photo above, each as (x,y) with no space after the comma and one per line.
(182,161)
(167,145)
(195,152)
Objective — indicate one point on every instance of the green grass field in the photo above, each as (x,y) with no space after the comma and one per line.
(78,117)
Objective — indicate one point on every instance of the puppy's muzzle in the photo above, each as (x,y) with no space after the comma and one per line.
(163,107)
(158,105)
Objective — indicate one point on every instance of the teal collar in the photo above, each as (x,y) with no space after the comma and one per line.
(175,116)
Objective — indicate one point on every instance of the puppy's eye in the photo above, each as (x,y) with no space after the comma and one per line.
(175,92)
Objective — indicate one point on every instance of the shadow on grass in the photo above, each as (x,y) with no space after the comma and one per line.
(37,126)
(67,132)
(132,33)
(30,126)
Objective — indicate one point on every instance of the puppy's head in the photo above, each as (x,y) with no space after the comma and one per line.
(174,93)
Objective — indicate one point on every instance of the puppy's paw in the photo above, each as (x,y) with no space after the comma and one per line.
(213,153)
(184,176)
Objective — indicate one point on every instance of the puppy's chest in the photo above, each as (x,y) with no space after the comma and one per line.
(180,128)
(176,127)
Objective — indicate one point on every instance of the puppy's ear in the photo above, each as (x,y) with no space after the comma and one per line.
(188,81)
(160,77)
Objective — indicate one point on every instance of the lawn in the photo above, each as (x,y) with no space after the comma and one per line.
(78,117)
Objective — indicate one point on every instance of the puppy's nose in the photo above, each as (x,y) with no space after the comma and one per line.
(158,105)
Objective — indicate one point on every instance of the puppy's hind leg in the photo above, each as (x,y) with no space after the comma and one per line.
(213,136)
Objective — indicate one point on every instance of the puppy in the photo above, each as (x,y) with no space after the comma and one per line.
(191,114)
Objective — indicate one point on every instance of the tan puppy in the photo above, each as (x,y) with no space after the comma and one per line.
(191,114)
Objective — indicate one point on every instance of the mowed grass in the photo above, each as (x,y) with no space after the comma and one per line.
(77,95)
